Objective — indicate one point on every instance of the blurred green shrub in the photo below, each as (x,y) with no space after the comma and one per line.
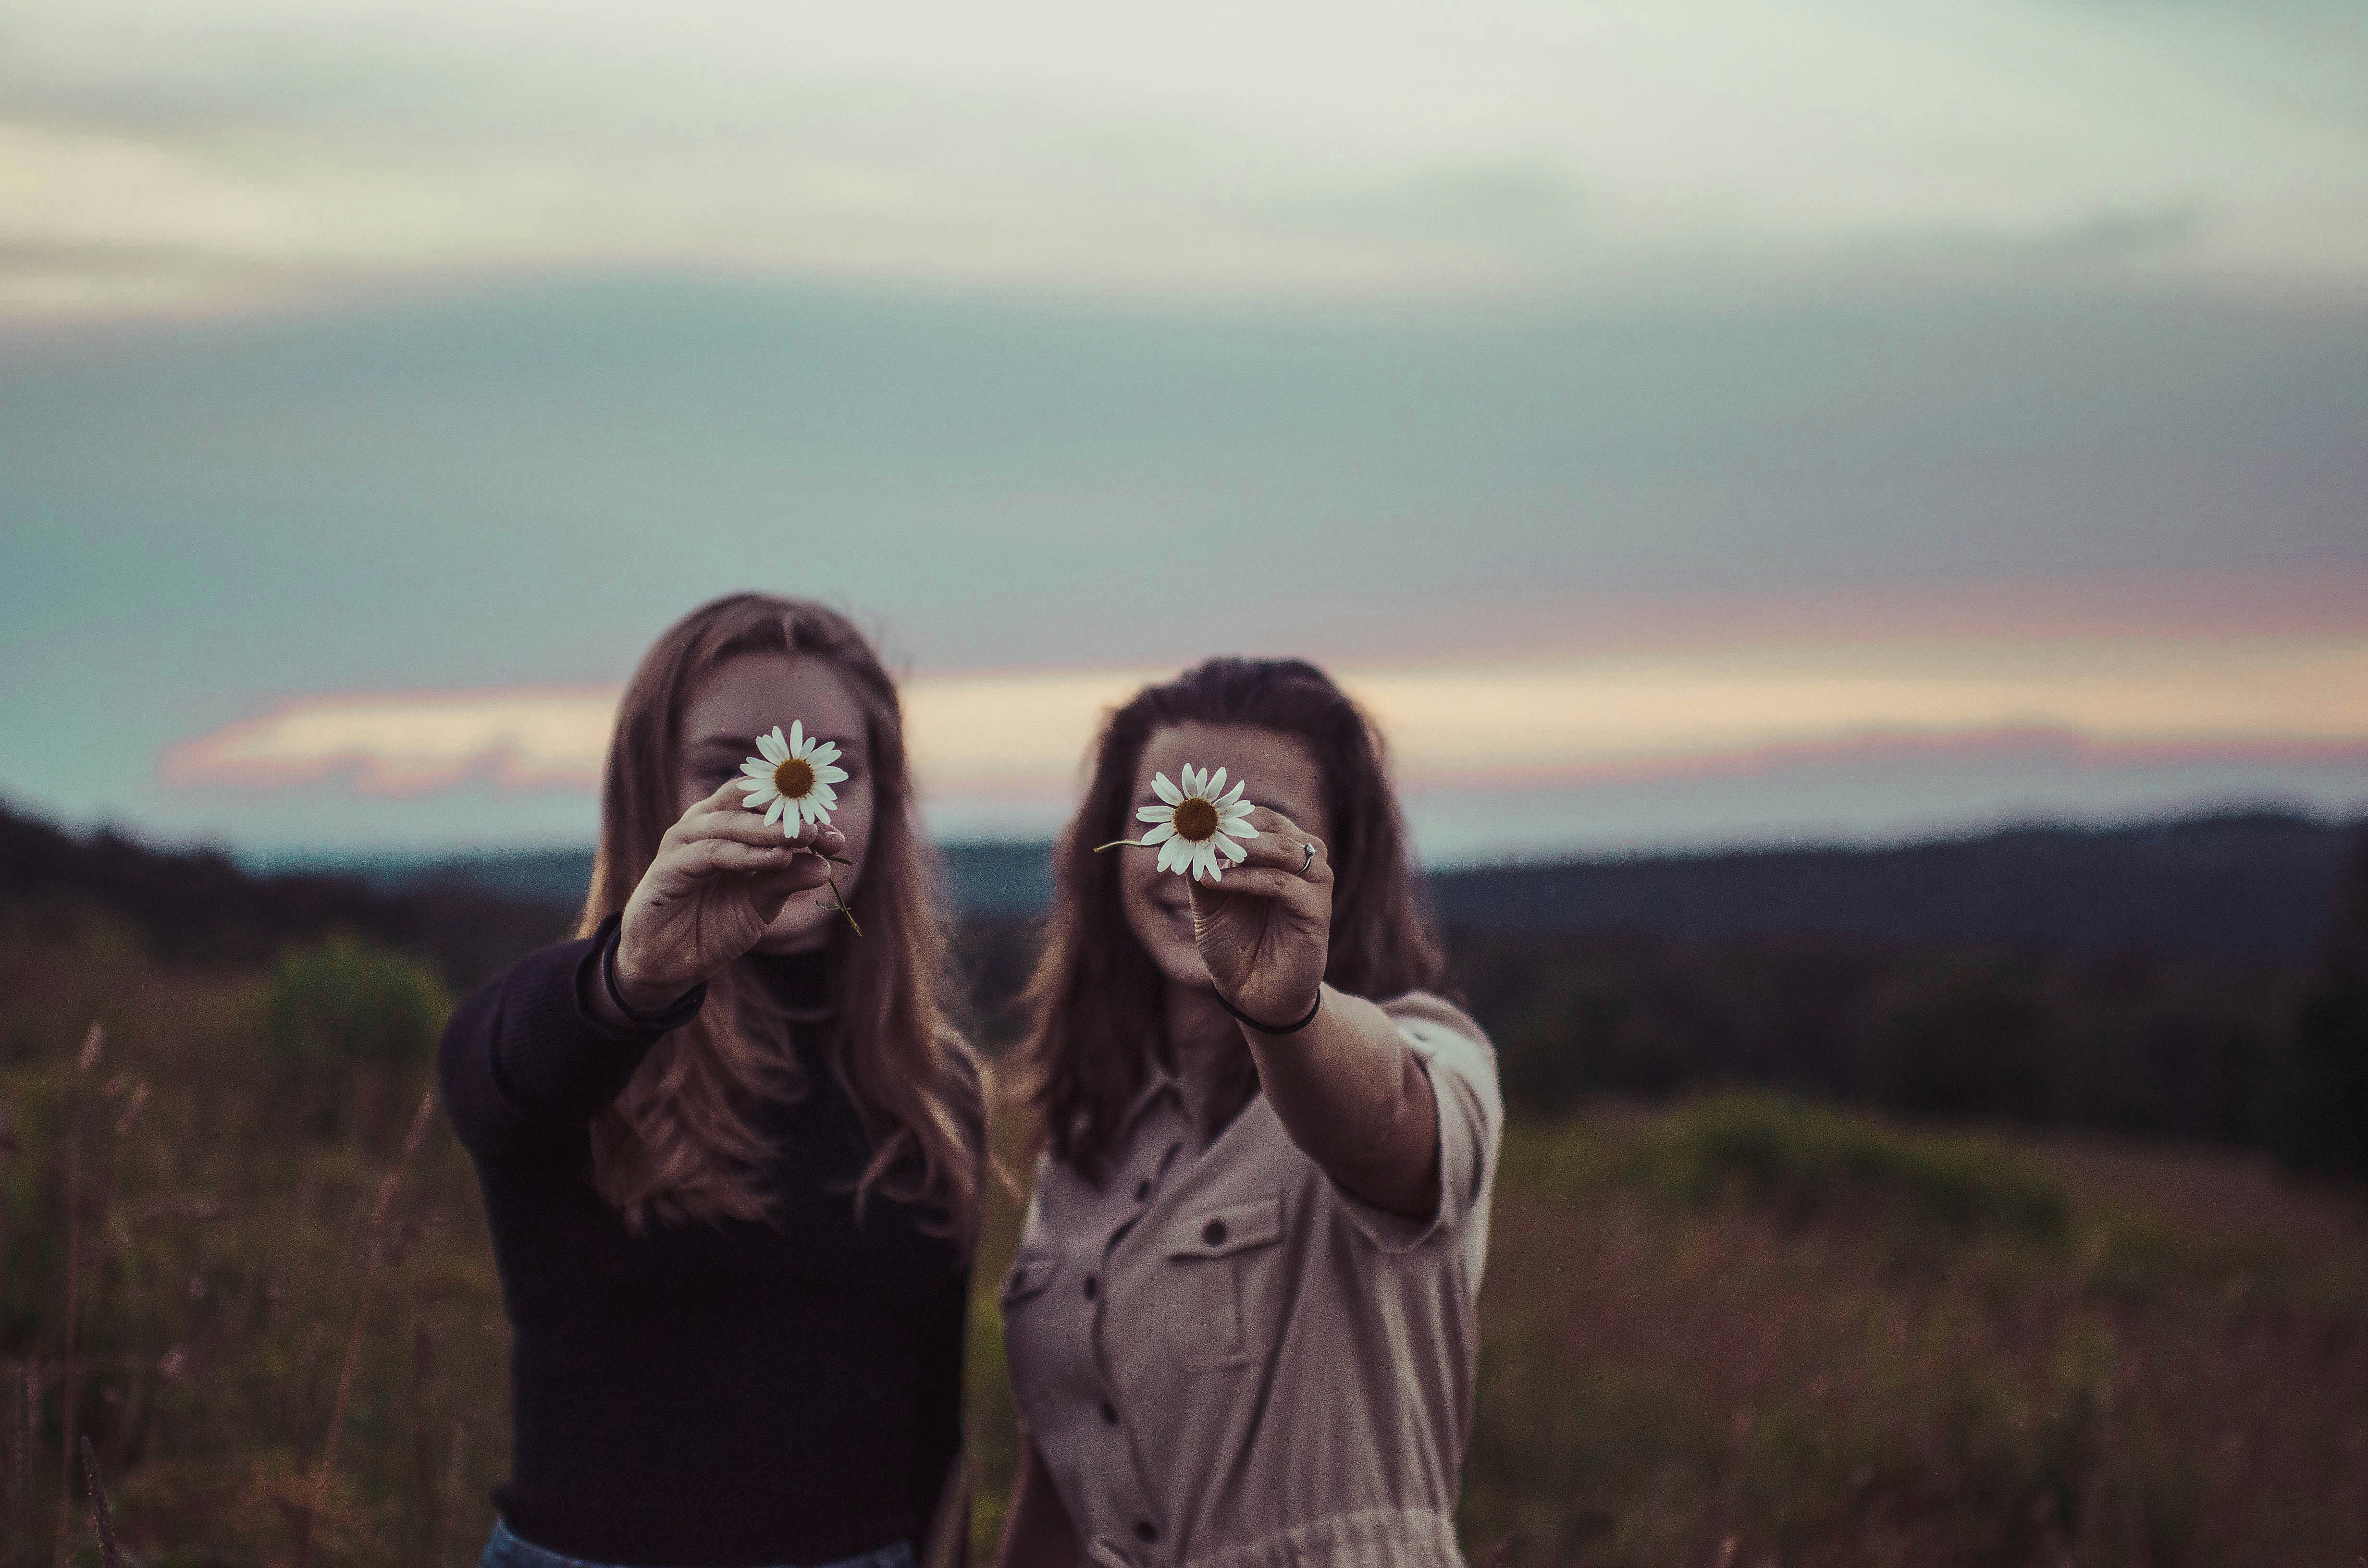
(1807,1163)
(346,1003)
(346,1023)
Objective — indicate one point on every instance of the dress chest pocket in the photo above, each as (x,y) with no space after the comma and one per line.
(1220,1296)
(1030,1273)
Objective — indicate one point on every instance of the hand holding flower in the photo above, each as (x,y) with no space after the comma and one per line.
(1265,932)
(1265,936)
(792,780)
(719,878)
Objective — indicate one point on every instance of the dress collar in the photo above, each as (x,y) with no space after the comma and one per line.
(1157,1081)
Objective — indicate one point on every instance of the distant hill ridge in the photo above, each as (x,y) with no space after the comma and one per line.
(2254,882)
(204,908)
(2257,882)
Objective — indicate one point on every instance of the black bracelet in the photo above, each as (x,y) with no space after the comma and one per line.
(673,1016)
(1313,1009)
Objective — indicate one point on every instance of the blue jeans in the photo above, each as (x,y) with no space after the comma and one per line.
(503,1550)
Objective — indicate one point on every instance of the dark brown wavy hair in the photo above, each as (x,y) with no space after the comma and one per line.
(1095,1004)
(679,1142)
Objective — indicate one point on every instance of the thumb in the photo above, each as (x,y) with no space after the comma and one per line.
(768,891)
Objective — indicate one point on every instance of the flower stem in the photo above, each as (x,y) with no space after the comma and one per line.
(838,900)
(1114,843)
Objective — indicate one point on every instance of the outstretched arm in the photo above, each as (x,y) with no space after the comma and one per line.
(1347,1087)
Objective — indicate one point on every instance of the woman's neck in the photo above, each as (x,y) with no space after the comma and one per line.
(1202,1041)
(798,984)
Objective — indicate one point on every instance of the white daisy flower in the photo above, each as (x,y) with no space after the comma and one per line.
(1202,826)
(792,779)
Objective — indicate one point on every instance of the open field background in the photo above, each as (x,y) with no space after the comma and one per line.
(1721,1328)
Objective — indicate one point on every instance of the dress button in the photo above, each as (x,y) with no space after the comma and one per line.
(1141,1191)
(1089,1287)
(1214,1233)
(1110,1413)
(1145,1531)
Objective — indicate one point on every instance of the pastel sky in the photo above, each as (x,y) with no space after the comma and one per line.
(1689,423)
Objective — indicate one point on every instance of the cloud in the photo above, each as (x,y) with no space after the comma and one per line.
(408,743)
(983,738)
(1520,147)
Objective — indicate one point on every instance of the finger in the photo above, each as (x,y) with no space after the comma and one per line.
(728,796)
(772,888)
(1266,819)
(1272,823)
(721,856)
(1257,882)
(747,827)
(1285,849)
(725,802)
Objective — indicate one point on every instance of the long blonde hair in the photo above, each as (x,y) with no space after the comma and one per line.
(680,1143)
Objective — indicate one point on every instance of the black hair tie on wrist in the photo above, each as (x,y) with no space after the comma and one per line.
(1314,1007)
(671,1016)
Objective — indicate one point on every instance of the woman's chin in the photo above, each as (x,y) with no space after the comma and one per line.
(1184,968)
(795,930)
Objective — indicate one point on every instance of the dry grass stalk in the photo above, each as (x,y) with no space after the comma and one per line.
(93,1043)
(102,1518)
(382,1228)
(132,1108)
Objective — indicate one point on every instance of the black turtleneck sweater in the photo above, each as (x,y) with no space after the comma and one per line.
(723,1393)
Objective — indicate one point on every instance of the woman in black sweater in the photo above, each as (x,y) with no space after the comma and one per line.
(730,1148)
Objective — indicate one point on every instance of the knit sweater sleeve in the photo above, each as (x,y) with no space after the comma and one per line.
(524,1067)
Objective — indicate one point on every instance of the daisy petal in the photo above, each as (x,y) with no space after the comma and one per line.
(773,811)
(823,752)
(1159,834)
(1231,850)
(830,775)
(1216,785)
(1154,813)
(1165,791)
(754,768)
(797,737)
(1235,794)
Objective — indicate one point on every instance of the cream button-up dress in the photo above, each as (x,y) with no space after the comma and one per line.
(1228,1362)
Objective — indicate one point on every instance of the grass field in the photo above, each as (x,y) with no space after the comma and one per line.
(1730,1332)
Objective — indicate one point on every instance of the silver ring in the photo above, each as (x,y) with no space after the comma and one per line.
(1308,860)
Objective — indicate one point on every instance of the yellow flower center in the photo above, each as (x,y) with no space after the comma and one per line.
(794,778)
(1196,820)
